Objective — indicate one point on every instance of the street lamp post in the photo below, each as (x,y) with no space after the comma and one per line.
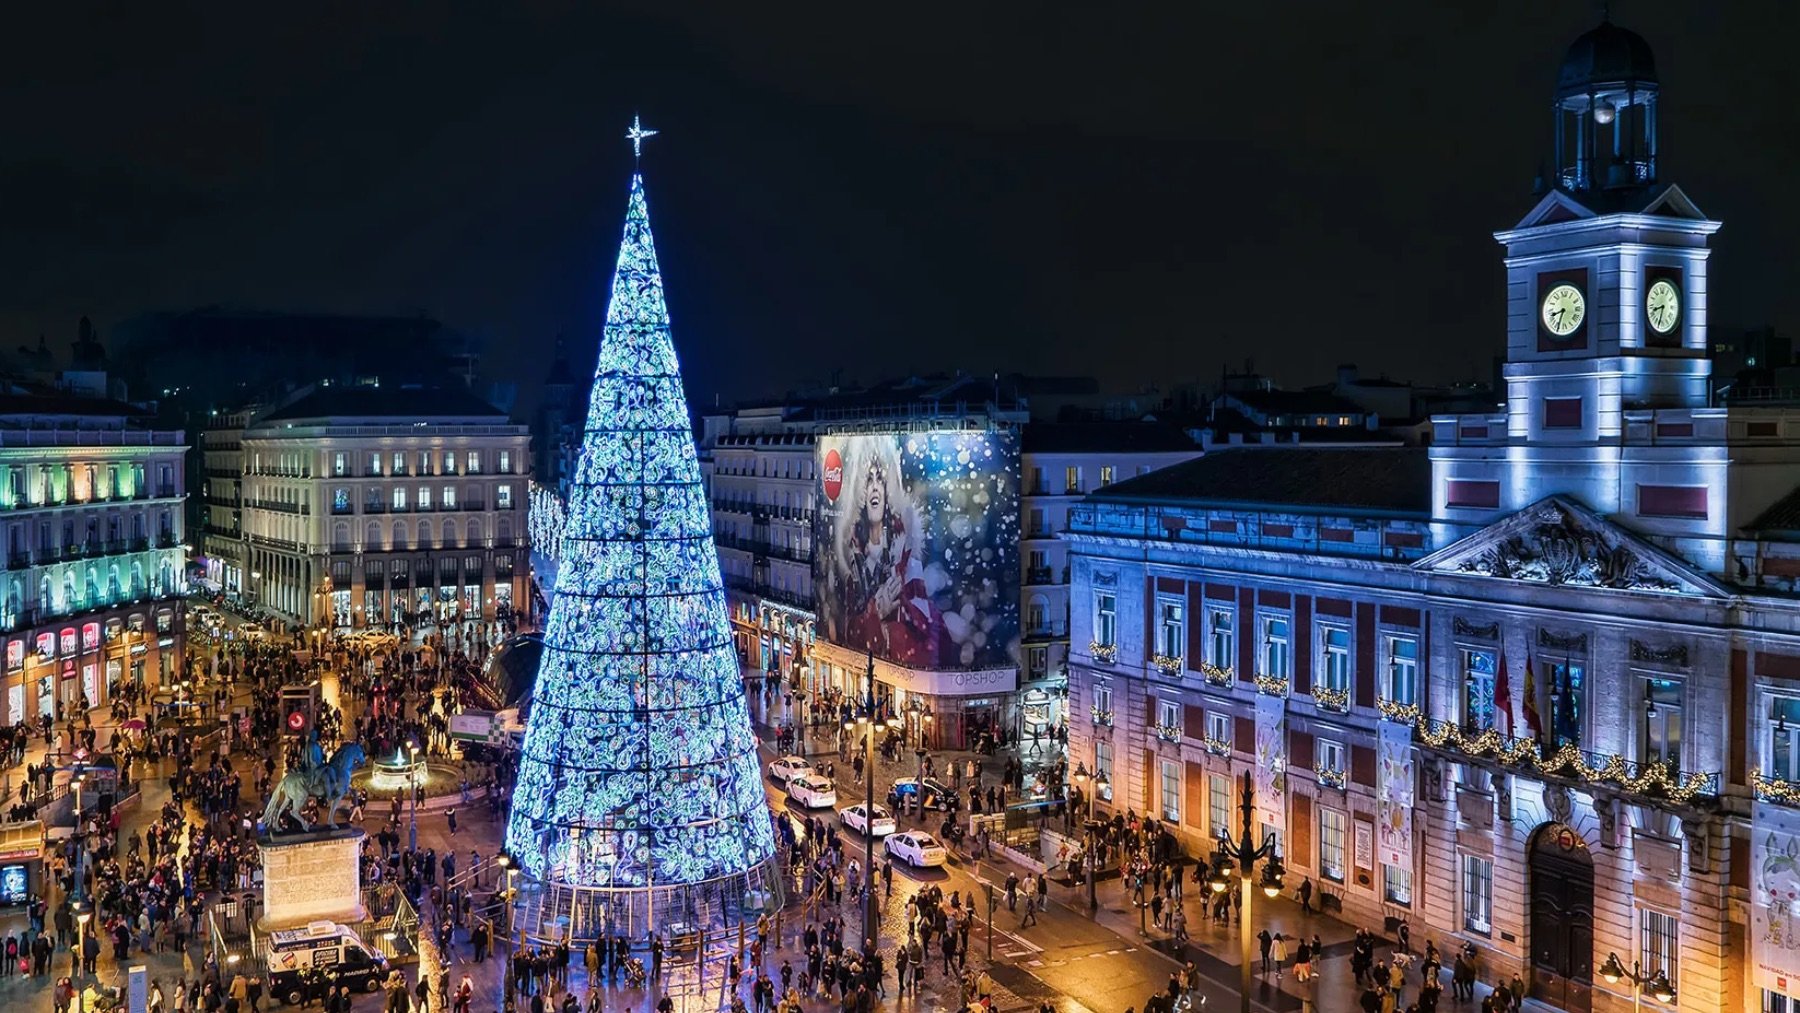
(82,914)
(1090,858)
(506,863)
(1246,853)
(1656,983)
(412,778)
(871,924)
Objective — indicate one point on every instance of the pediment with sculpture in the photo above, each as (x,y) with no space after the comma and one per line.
(1558,542)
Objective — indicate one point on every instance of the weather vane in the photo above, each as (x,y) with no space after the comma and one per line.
(636,136)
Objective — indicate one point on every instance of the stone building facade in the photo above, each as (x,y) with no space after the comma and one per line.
(1530,689)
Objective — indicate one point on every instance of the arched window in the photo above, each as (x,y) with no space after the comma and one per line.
(137,578)
(372,537)
(165,580)
(112,582)
(425,535)
(340,537)
(91,591)
(474,533)
(503,532)
(68,593)
(399,536)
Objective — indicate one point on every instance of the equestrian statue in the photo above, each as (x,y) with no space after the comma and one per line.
(326,780)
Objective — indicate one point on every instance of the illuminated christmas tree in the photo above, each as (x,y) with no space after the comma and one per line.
(639,796)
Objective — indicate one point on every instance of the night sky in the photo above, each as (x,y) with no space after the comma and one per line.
(1045,188)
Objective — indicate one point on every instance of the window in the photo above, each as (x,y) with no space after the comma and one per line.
(1276,651)
(1106,619)
(1103,765)
(1662,721)
(1171,791)
(472,465)
(1218,804)
(1775,1002)
(1330,755)
(449,497)
(399,497)
(1334,658)
(1565,702)
(1037,661)
(505,462)
(1478,690)
(503,497)
(1106,474)
(1478,894)
(449,463)
(1659,943)
(1040,524)
(1072,479)
(1396,885)
(1168,714)
(1782,755)
(374,464)
(340,464)
(424,497)
(1332,827)
(424,462)
(340,500)
(1218,727)
(399,467)
(1103,701)
(1403,671)
(1219,640)
(1169,628)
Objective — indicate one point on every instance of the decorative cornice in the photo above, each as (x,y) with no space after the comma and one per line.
(1486,631)
(1561,642)
(1676,654)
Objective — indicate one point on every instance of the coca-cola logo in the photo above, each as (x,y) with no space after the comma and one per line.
(833,474)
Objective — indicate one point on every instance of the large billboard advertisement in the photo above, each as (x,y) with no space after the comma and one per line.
(916,547)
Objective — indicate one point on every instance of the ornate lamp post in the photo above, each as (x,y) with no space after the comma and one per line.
(871,922)
(82,914)
(1656,983)
(412,783)
(1090,856)
(1246,852)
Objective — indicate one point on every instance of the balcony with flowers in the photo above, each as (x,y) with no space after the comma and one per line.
(1217,747)
(1168,733)
(1269,685)
(1105,654)
(1217,675)
(1330,777)
(1103,717)
(1166,664)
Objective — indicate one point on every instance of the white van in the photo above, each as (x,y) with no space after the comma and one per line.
(331,948)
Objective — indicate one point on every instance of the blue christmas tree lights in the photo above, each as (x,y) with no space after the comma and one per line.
(639,767)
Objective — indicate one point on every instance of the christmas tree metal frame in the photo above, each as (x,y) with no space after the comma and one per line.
(640,805)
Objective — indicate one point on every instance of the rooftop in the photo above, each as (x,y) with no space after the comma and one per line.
(1376,479)
(410,403)
(19,408)
(1104,437)
(1781,517)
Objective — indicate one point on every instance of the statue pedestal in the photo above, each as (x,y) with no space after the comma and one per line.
(311,876)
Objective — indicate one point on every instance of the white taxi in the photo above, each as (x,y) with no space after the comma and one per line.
(812,791)
(857,818)
(916,849)
(787,768)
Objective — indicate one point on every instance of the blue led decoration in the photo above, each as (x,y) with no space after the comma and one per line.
(639,766)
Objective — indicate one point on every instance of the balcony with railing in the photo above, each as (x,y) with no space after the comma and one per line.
(1575,767)
(1051,630)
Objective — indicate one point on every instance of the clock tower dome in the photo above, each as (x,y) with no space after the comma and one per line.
(1606,302)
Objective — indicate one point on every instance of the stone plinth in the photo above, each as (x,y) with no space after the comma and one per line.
(313,876)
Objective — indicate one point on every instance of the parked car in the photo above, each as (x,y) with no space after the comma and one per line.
(812,791)
(936,793)
(856,817)
(916,849)
(787,768)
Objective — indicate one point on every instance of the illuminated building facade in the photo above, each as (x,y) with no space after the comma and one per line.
(1533,689)
(367,506)
(91,505)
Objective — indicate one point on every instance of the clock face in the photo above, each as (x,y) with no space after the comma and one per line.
(1563,310)
(1662,307)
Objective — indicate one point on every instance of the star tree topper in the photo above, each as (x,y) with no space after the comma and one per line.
(636,135)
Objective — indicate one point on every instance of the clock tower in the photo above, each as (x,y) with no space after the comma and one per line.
(1608,384)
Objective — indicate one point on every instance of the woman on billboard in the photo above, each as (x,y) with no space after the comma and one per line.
(888,607)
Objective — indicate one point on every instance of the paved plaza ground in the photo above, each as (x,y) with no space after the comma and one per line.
(1104,961)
